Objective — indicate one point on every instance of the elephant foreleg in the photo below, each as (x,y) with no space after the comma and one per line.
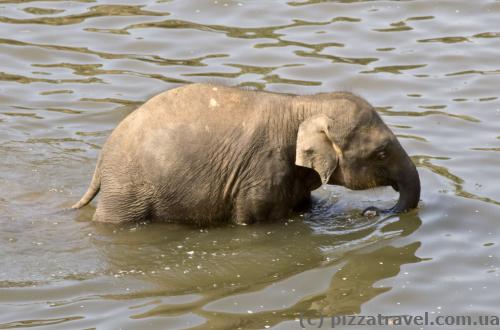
(303,204)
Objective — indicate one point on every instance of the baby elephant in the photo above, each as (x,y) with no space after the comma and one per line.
(208,154)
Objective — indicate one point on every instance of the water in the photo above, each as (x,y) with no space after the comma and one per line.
(71,70)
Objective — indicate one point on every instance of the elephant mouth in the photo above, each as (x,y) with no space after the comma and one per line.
(409,195)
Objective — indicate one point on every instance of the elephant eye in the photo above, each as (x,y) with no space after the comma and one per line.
(382,155)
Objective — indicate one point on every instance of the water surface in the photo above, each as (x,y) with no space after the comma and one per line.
(71,70)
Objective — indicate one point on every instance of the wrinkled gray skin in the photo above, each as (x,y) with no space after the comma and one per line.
(207,154)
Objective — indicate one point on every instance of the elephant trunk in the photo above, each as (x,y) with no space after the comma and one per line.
(408,184)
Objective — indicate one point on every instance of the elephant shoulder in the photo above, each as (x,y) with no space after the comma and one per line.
(274,167)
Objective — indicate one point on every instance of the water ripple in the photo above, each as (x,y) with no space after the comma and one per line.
(93,12)
(145,58)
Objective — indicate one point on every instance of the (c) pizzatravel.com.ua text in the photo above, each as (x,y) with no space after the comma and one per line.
(425,319)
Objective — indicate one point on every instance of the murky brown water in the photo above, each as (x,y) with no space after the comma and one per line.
(71,70)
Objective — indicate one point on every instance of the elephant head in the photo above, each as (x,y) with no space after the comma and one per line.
(348,144)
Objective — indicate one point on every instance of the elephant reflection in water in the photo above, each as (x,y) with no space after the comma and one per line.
(350,287)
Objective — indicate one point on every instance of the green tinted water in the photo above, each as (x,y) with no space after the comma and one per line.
(71,70)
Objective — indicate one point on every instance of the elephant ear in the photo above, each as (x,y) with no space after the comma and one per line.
(316,148)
